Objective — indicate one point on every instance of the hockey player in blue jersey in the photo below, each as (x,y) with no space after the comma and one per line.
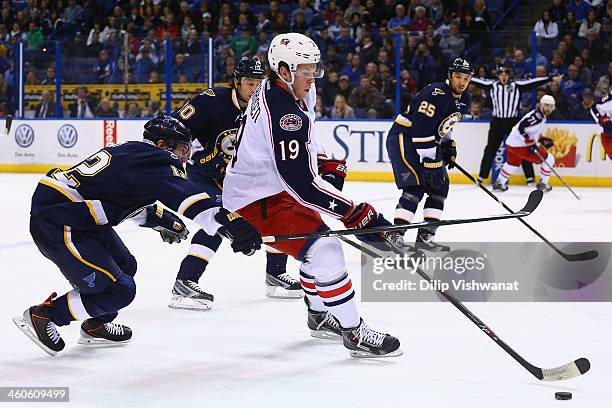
(213,117)
(72,218)
(420,147)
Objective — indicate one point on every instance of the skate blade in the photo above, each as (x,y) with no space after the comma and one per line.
(325,335)
(184,303)
(22,325)
(94,341)
(365,354)
(276,292)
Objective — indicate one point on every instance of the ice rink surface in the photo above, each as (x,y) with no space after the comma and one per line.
(250,351)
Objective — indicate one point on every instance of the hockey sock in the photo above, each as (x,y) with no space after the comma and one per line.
(201,251)
(407,205)
(276,263)
(506,171)
(308,285)
(434,205)
(545,168)
(338,296)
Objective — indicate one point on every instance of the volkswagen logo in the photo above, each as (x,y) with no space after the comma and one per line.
(24,135)
(67,136)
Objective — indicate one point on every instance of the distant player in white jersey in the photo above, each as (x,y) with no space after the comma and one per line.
(526,143)
(280,182)
(602,113)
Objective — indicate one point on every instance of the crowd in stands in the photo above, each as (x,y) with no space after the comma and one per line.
(357,39)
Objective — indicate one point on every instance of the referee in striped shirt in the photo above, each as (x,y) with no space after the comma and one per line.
(505,95)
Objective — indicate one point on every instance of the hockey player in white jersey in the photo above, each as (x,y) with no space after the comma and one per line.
(526,143)
(279,181)
(602,113)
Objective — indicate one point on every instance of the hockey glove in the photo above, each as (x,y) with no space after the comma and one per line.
(449,152)
(547,142)
(533,148)
(243,235)
(434,174)
(333,171)
(365,216)
(171,228)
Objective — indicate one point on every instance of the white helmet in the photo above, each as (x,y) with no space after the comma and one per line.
(547,100)
(294,49)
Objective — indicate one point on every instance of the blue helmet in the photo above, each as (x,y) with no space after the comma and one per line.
(167,128)
(250,67)
(460,65)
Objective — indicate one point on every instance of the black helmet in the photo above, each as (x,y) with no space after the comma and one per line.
(460,65)
(501,69)
(249,67)
(171,130)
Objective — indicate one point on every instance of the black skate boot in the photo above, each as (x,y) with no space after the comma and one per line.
(323,325)
(35,323)
(283,286)
(187,294)
(530,182)
(95,332)
(497,186)
(367,343)
(543,187)
(426,242)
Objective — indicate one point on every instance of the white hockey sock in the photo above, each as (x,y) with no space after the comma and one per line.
(506,171)
(308,285)
(339,298)
(545,168)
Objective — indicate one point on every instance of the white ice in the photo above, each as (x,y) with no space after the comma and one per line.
(252,351)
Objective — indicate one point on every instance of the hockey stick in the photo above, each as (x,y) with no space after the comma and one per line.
(360,247)
(535,197)
(556,174)
(564,372)
(7,124)
(583,256)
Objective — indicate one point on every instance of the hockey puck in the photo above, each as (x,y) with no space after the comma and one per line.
(563,395)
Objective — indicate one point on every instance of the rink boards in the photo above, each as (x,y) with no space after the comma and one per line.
(35,145)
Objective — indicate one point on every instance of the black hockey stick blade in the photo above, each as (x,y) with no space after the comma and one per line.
(571,370)
(582,256)
(535,197)
(7,124)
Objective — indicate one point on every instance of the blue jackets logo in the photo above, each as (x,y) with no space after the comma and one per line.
(67,136)
(290,122)
(24,135)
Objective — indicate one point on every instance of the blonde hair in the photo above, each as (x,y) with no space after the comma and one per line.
(340,98)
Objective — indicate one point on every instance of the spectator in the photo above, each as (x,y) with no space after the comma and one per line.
(583,111)
(367,52)
(103,69)
(477,112)
(50,78)
(330,90)
(154,77)
(263,24)
(320,111)
(580,8)
(192,46)
(572,87)
(341,109)
(388,11)
(482,21)
(568,49)
(453,45)
(436,11)
(371,16)
(280,24)
(299,26)
(557,10)
(604,84)
(133,111)
(400,19)
(519,65)
(76,48)
(244,8)
(589,24)
(336,26)
(584,72)
(423,64)
(46,108)
(180,67)
(144,64)
(420,21)
(106,110)
(595,49)
(444,28)
(94,46)
(19,35)
(32,79)
(407,83)
(545,27)
(35,37)
(372,74)
(84,106)
(354,7)
(244,45)
(570,25)
(353,71)
(186,28)
(72,11)
(264,44)
(303,7)
(153,109)
(344,86)
(328,15)
(387,86)
(344,43)
(208,24)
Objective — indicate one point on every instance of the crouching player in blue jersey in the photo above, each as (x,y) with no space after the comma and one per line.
(213,117)
(72,218)
(420,147)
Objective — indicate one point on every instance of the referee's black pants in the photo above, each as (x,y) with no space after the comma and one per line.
(500,127)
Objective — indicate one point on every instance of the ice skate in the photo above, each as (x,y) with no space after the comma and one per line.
(35,323)
(543,187)
(497,186)
(283,286)
(367,343)
(187,294)
(426,242)
(323,325)
(94,332)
